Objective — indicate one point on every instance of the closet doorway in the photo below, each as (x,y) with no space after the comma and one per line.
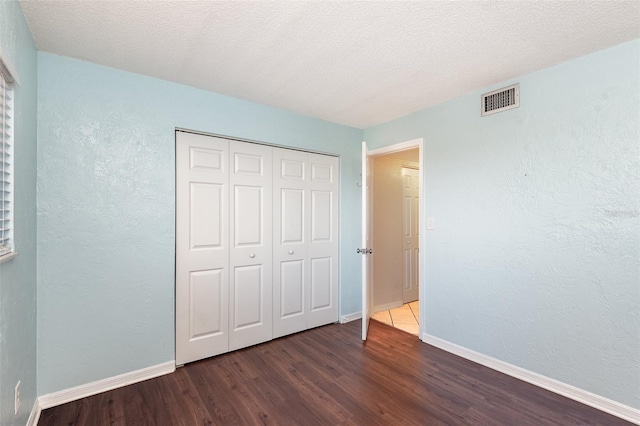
(395,208)
(256,243)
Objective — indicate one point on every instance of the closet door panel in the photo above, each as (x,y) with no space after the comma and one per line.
(256,244)
(291,221)
(323,240)
(202,246)
(249,296)
(251,260)
(248,216)
(321,216)
(292,218)
(291,289)
(205,298)
(205,214)
(321,285)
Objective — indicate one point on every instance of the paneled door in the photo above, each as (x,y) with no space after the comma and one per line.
(202,246)
(251,260)
(323,239)
(410,234)
(291,273)
(305,241)
(254,261)
(367,281)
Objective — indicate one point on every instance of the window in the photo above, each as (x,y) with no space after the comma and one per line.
(6,162)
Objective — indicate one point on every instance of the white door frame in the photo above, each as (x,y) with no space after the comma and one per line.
(402,146)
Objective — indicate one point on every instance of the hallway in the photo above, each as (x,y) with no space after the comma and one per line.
(404,318)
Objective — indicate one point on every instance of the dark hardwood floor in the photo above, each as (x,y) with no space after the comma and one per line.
(326,376)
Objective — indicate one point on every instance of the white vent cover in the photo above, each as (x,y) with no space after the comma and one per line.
(501,100)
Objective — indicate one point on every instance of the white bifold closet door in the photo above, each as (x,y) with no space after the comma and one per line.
(202,246)
(256,243)
(305,240)
(251,260)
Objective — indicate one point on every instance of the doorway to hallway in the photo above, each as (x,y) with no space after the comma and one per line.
(395,239)
(393,216)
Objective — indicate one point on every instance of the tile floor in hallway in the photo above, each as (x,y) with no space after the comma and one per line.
(404,318)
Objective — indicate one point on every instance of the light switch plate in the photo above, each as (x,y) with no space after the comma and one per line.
(431,223)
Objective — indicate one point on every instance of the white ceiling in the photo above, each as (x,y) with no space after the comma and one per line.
(354,63)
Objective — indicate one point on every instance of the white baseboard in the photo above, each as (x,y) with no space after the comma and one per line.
(585,397)
(35,414)
(350,317)
(387,306)
(99,386)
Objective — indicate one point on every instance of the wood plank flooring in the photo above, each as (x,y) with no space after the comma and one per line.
(326,376)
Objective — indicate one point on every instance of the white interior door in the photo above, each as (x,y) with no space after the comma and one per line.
(290,248)
(410,234)
(367,287)
(251,260)
(202,246)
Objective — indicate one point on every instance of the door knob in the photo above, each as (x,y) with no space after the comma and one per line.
(252,255)
(290,251)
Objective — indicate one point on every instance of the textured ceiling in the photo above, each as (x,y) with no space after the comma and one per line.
(355,63)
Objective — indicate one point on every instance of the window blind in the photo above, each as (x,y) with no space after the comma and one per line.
(6,162)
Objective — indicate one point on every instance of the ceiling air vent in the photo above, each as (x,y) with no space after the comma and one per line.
(501,100)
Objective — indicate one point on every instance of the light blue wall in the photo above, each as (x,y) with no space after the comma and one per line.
(535,257)
(106,210)
(18,276)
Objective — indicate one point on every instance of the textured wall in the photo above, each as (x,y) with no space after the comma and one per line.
(388,224)
(18,276)
(535,258)
(106,210)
